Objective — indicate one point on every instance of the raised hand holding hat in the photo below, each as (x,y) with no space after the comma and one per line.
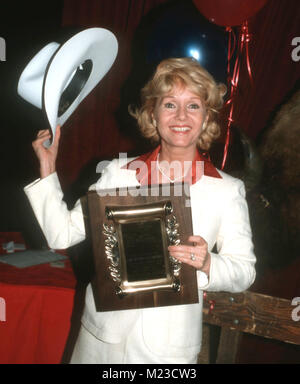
(59,77)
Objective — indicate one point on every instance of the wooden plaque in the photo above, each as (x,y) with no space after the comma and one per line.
(131,229)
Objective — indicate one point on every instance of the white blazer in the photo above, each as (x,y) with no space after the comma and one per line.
(219,215)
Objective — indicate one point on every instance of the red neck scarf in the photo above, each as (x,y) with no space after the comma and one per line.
(146,168)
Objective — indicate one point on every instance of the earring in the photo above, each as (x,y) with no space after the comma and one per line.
(154,123)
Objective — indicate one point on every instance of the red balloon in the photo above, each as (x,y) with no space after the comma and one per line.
(229,12)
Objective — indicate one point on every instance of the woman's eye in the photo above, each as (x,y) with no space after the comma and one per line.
(194,106)
(169,105)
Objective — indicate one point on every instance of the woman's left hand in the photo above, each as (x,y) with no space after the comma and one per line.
(196,255)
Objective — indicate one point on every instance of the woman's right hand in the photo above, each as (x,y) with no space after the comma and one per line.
(47,156)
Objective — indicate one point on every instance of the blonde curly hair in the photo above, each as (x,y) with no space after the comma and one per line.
(188,73)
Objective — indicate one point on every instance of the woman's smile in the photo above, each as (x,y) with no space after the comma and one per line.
(180,129)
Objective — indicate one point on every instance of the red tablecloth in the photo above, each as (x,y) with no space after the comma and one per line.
(38,308)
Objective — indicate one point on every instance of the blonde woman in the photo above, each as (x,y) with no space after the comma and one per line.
(178,113)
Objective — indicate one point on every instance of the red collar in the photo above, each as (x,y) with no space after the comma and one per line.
(146,163)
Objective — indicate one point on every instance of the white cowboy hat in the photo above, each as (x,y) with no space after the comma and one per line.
(59,77)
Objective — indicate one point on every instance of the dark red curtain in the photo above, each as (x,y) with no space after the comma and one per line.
(275,73)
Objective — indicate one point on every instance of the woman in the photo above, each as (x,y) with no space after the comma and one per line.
(178,113)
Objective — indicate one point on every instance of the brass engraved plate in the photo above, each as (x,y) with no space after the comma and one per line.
(144,252)
(137,247)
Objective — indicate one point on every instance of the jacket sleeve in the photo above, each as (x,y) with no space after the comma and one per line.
(61,227)
(232,268)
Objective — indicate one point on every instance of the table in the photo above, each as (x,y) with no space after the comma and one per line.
(38,309)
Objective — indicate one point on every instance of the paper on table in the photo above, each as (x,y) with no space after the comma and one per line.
(11,247)
(30,258)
